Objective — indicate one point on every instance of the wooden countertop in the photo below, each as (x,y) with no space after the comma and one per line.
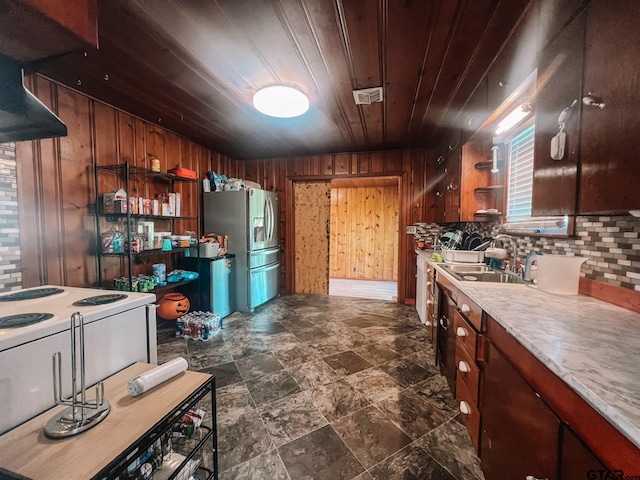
(27,452)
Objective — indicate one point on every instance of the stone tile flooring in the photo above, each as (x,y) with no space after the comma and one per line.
(330,388)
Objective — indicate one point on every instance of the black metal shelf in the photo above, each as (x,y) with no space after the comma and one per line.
(172,285)
(154,251)
(127,172)
(139,172)
(151,217)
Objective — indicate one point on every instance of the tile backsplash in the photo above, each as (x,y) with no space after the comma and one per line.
(10,264)
(611,245)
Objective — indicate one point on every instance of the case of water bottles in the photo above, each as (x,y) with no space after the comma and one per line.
(199,325)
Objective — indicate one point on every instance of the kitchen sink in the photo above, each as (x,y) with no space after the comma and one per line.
(468,268)
(482,273)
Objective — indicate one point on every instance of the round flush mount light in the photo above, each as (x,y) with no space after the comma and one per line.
(281,101)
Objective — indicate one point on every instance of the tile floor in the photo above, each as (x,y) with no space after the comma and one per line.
(324,387)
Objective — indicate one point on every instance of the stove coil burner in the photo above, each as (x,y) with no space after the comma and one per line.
(31,294)
(23,319)
(99,300)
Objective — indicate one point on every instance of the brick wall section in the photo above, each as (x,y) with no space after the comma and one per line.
(10,263)
(610,243)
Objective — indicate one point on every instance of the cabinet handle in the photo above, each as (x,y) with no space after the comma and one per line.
(464,407)
(463,366)
(438,194)
(428,284)
(503,84)
(593,101)
(461,332)
(427,323)
(451,187)
(465,308)
(429,302)
(440,160)
(531,477)
(443,321)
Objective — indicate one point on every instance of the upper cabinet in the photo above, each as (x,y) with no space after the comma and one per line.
(593,62)
(55,28)
(516,60)
(611,109)
(559,85)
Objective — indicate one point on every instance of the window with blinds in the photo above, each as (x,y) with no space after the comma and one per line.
(520,186)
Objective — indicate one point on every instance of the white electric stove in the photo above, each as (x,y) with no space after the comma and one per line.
(120,329)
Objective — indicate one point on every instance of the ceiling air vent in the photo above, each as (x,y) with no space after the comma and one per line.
(367,96)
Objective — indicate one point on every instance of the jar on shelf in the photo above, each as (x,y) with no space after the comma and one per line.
(155,165)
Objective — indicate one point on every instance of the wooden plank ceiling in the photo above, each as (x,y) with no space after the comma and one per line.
(194,66)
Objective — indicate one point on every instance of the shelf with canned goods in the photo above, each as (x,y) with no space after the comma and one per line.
(141,213)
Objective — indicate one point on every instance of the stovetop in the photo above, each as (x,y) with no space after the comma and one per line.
(31,294)
(23,319)
(99,300)
(56,308)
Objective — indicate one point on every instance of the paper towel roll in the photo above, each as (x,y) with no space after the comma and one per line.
(156,376)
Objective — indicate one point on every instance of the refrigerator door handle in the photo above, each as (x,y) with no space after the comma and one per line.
(266,251)
(269,217)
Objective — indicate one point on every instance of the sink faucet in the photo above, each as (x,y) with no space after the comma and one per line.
(514,246)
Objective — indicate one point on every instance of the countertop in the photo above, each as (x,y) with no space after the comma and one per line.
(592,345)
(26,451)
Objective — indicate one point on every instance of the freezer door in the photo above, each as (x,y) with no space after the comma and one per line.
(264,284)
(264,257)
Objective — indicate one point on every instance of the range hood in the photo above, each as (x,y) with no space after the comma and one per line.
(22,115)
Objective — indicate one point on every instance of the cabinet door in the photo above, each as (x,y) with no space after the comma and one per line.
(475,112)
(559,85)
(577,460)
(609,137)
(452,177)
(516,60)
(519,432)
(447,340)
(436,187)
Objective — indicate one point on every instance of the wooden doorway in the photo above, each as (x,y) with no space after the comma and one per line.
(364,240)
(312,209)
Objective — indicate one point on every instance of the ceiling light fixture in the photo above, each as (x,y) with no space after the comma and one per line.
(514,118)
(281,101)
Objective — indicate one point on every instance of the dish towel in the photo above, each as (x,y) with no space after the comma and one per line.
(156,376)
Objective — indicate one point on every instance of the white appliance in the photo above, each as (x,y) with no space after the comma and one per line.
(421,289)
(33,327)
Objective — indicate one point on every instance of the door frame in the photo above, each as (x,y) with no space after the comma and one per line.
(404,203)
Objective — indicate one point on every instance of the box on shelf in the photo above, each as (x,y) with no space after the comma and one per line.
(109,200)
(178,204)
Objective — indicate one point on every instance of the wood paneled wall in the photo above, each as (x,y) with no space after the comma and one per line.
(364,233)
(416,200)
(56,184)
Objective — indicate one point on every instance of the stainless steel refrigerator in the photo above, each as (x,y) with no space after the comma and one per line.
(250,218)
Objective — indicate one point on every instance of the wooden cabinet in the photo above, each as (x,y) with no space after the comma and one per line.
(609,140)
(577,462)
(446,351)
(453,158)
(516,60)
(55,28)
(475,112)
(559,84)
(594,62)
(520,434)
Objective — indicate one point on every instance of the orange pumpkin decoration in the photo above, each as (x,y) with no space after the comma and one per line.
(172,306)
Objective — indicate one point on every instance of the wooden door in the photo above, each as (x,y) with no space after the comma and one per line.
(312,210)
(609,138)
(520,434)
(364,229)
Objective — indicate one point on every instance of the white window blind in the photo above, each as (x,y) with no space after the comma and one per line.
(520,187)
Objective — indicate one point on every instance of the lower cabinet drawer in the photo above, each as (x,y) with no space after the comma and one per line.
(465,334)
(470,414)
(430,306)
(467,370)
